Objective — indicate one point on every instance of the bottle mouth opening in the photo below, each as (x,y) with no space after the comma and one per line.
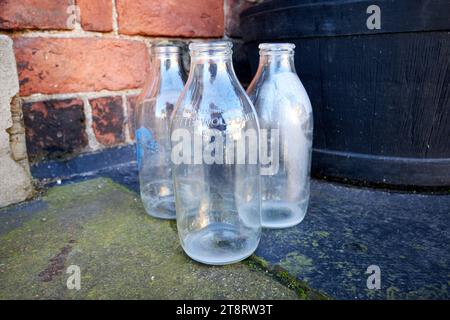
(166,49)
(277,48)
(211,48)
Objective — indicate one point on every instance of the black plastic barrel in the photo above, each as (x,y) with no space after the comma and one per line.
(379,81)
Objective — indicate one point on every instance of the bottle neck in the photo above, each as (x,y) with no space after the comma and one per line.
(273,63)
(210,69)
(167,71)
(212,65)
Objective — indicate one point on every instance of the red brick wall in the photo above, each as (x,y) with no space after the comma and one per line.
(79,75)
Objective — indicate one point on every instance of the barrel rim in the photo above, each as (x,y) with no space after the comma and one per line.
(382,170)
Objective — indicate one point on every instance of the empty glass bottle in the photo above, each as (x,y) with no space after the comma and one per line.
(215,167)
(155,107)
(286,120)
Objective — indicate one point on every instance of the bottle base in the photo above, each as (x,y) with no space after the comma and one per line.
(281,214)
(220,244)
(158,199)
(162,209)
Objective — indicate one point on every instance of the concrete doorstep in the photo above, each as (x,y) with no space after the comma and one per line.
(93,234)
(93,240)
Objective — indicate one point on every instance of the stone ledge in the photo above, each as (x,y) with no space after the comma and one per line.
(346,230)
(122,252)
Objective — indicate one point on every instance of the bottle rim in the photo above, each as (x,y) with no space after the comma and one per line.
(277,47)
(211,47)
(166,49)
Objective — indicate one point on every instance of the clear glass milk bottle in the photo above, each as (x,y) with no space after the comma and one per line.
(155,107)
(215,160)
(286,119)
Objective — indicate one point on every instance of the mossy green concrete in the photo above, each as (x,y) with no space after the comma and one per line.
(296,262)
(122,252)
(300,287)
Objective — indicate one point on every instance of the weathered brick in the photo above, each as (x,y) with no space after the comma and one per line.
(171,18)
(56,65)
(54,128)
(35,14)
(108,120)
(132,112)
(96,15)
